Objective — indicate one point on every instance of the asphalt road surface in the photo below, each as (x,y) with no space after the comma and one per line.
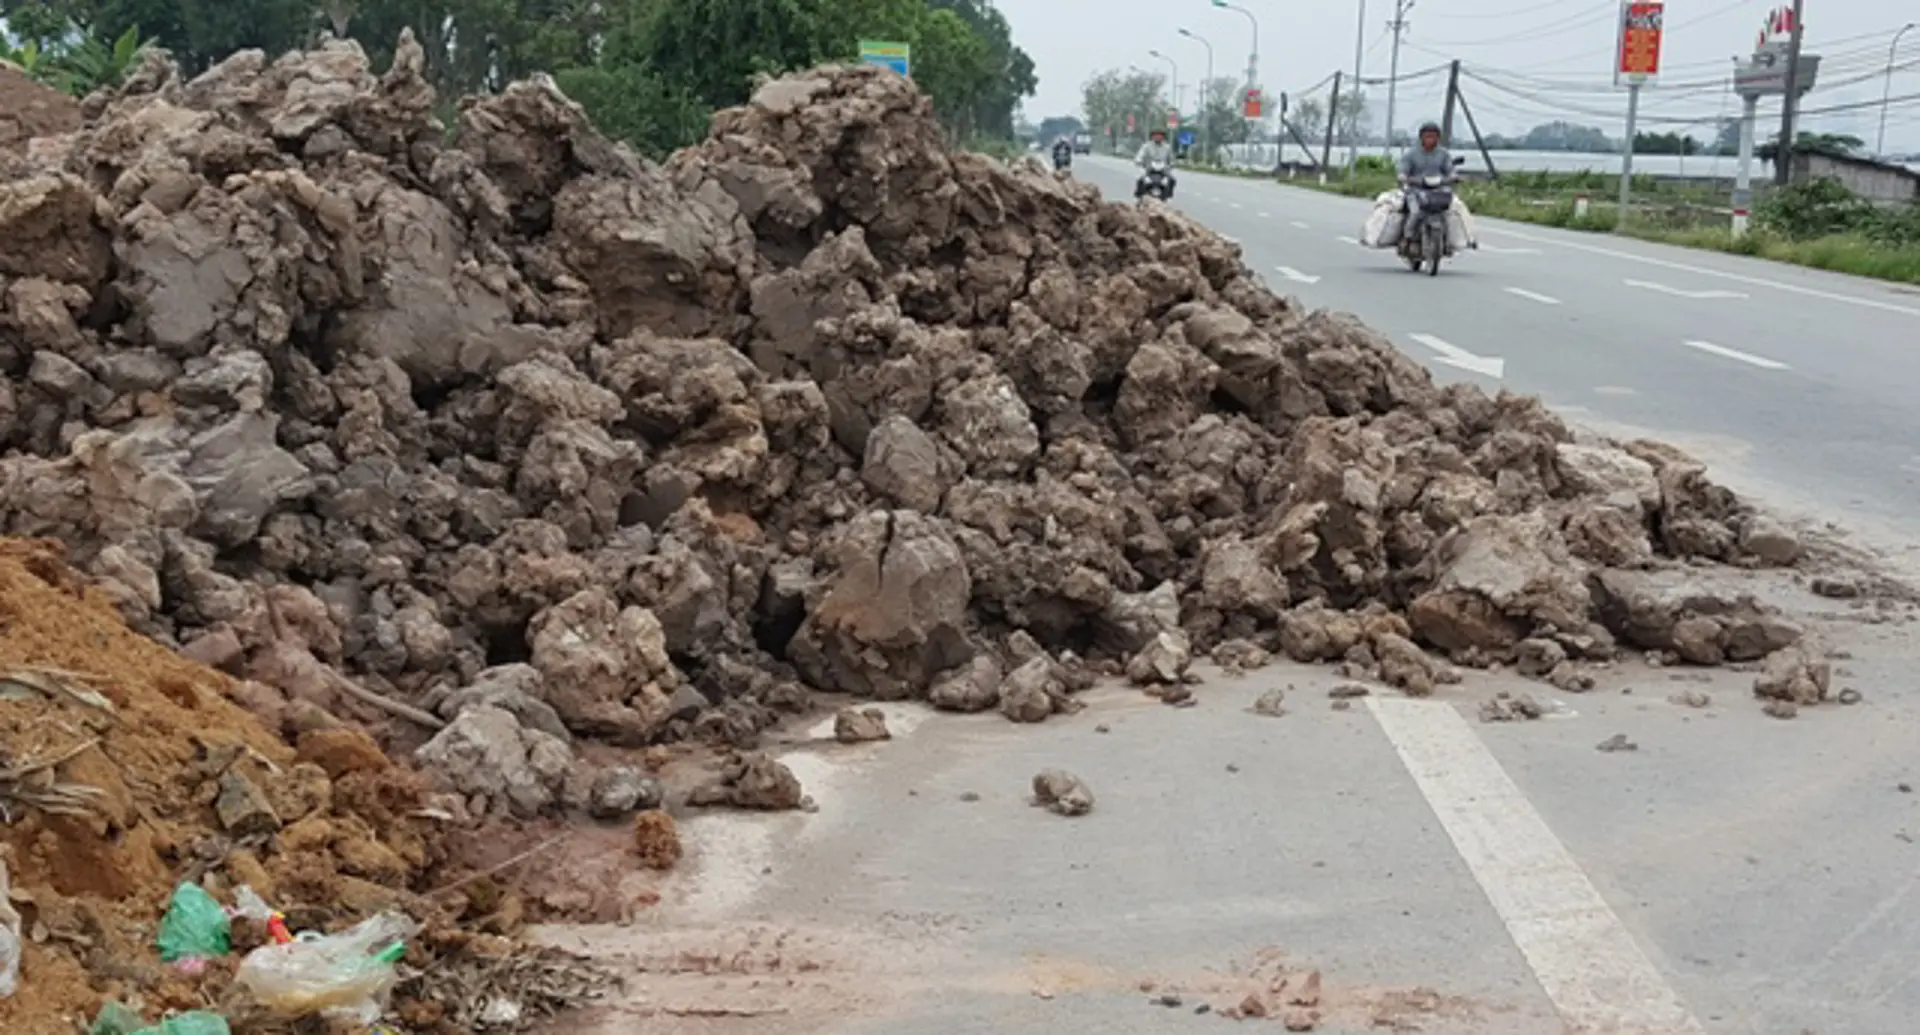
(1732,875)
(1798,385)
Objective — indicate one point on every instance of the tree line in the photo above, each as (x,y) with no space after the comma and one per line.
(650,72)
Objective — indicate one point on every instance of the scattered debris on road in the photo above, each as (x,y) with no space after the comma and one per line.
(1691,698)
(855,726)
(1617,742)
(1271,703)
(1510,707)
(1062,792)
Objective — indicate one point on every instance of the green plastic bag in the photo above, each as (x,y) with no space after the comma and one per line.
(198,1022)
(116,1019)
(196,926)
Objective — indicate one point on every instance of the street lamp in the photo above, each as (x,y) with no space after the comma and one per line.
(1886,97)
(1206,117)
(1253,55)
(1173,84)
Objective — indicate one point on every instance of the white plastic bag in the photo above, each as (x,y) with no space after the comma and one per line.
(9,938)
(1386,222)
(347,974)
(1460,232)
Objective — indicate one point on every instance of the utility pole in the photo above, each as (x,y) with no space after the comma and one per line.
(1886,93)
(1359,56)
(1783,158)
(1626,156)
(1453,92)
(1743,178)
(1333,116)
(1398,25)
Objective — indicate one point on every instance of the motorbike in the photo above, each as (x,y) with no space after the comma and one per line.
(1063,159)
(1424,241)
(1157,182)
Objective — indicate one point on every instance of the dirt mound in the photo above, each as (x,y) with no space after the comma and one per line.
(29,110)
(129,769)
(552,442)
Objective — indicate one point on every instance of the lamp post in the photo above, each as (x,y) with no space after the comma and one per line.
(1173,84)
(1206,117)
(1886,96)
(1253,52)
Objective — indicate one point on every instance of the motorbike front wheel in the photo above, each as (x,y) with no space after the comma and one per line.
(1435,244)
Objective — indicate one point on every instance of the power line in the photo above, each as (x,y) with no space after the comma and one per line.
(1578,21)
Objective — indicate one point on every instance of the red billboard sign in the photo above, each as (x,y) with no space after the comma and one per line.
(1637,59)
(1253,105)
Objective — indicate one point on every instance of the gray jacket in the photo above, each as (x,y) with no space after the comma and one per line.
(1417,164)
(1152,153)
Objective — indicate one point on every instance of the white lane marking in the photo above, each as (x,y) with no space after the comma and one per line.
(1295,275)
(1266,215)
(1678,293)
(1533,295)
(1495,249)
(1350,240)
(1235,204)
(1598,978)
(1745,357)
(1455,356)
(1298,225)
(1738,278)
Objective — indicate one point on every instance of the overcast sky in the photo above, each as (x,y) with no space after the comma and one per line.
(1556,53)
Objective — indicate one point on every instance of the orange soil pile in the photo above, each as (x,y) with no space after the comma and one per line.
(327,832)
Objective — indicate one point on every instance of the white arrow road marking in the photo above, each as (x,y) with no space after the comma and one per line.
(1678,293)
(1455,356)
(1295,275)
(1534,296)
(1597,976)
(1735,354)
(1350,240)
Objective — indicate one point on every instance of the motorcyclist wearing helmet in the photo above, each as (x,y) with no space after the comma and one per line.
(1156,152)
(1063,147)
(1429,159)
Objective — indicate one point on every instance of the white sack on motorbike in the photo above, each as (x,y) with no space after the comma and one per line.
(1386,222)
(1461,234)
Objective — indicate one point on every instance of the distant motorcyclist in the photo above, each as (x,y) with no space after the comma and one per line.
(1156,154)
(1062,153)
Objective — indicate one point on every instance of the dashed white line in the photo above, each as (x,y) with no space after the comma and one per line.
(1704,271)
(1298,225)
(1295,275)
(1266,215)
(1597,976)
(1534,296)
(1455,356)
(1235,204)
(1350,240)
(1735,354)
(1678,293)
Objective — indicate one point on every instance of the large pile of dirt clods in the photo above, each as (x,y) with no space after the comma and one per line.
(126,769)
(30,110)
(540,441)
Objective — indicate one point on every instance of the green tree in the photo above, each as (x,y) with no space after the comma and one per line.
(1125,105)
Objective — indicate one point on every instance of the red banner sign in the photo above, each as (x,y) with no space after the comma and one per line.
(1642,23)
(1253,104)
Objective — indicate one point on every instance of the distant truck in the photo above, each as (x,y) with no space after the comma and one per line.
(1083,143)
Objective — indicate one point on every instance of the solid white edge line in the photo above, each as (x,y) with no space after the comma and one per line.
(1533,295)
(1735,354)
(1588,964)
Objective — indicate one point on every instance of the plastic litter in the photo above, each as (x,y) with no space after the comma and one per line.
(348,974)
(9,938)
(196,926)
(116,1019)
(248,905)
